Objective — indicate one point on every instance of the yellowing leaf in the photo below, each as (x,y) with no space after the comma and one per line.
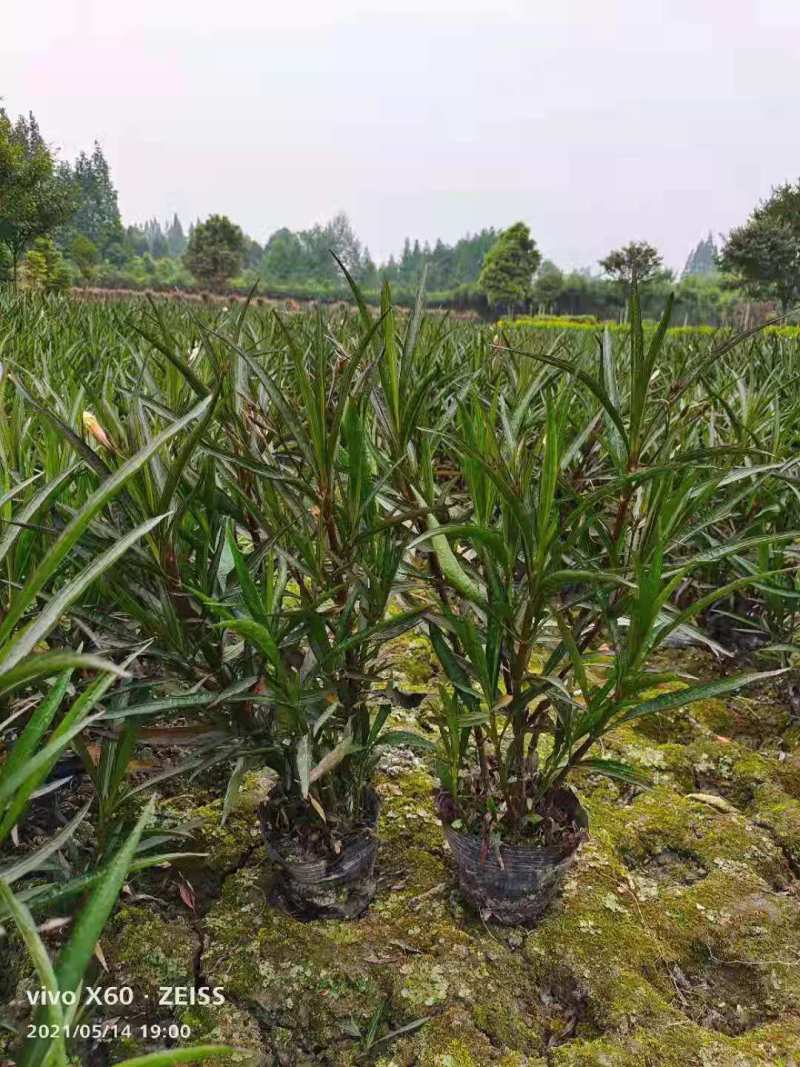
(315,804)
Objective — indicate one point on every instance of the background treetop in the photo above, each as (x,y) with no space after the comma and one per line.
(764,253)
(509,266)
(75,207)
(638,259)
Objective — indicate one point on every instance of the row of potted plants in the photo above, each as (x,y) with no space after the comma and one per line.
(536,525)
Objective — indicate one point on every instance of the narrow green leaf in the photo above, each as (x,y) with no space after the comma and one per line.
(49,564)
(189,447)
(51,1013)
(47,664)
(32,861)
(36,727)
(28,512)
(406,739)
(302,761)
(195,1054)
(232,790)
(75,955)
(23,643)
(614,769)
(681,697)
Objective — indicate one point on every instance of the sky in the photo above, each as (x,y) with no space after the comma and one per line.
(594,122)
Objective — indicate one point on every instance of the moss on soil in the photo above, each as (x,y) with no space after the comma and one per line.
(676,941)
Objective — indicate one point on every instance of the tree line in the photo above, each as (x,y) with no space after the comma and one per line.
(60,225)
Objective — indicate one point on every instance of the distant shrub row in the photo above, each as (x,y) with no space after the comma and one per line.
(589,323)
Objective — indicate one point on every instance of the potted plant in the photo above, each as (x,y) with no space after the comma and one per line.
(583,502)
(316,570)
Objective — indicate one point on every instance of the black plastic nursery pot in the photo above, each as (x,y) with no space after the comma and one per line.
(515,884)
(339,887)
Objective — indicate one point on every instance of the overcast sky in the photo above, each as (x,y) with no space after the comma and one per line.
(595,122)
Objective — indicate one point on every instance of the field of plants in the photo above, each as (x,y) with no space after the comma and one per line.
(396,691)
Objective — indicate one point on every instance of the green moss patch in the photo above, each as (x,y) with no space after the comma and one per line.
(676,940)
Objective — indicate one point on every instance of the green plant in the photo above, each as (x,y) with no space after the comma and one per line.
(34,197)
(635,262)
(28,762)
(511,262)
(33,605)
(581,531)
(556,504)
(62,980)
(764,253)
(45,268)
(315,569)
(369,1036)
(215,251)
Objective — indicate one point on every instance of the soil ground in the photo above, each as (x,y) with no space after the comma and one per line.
(675,943)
